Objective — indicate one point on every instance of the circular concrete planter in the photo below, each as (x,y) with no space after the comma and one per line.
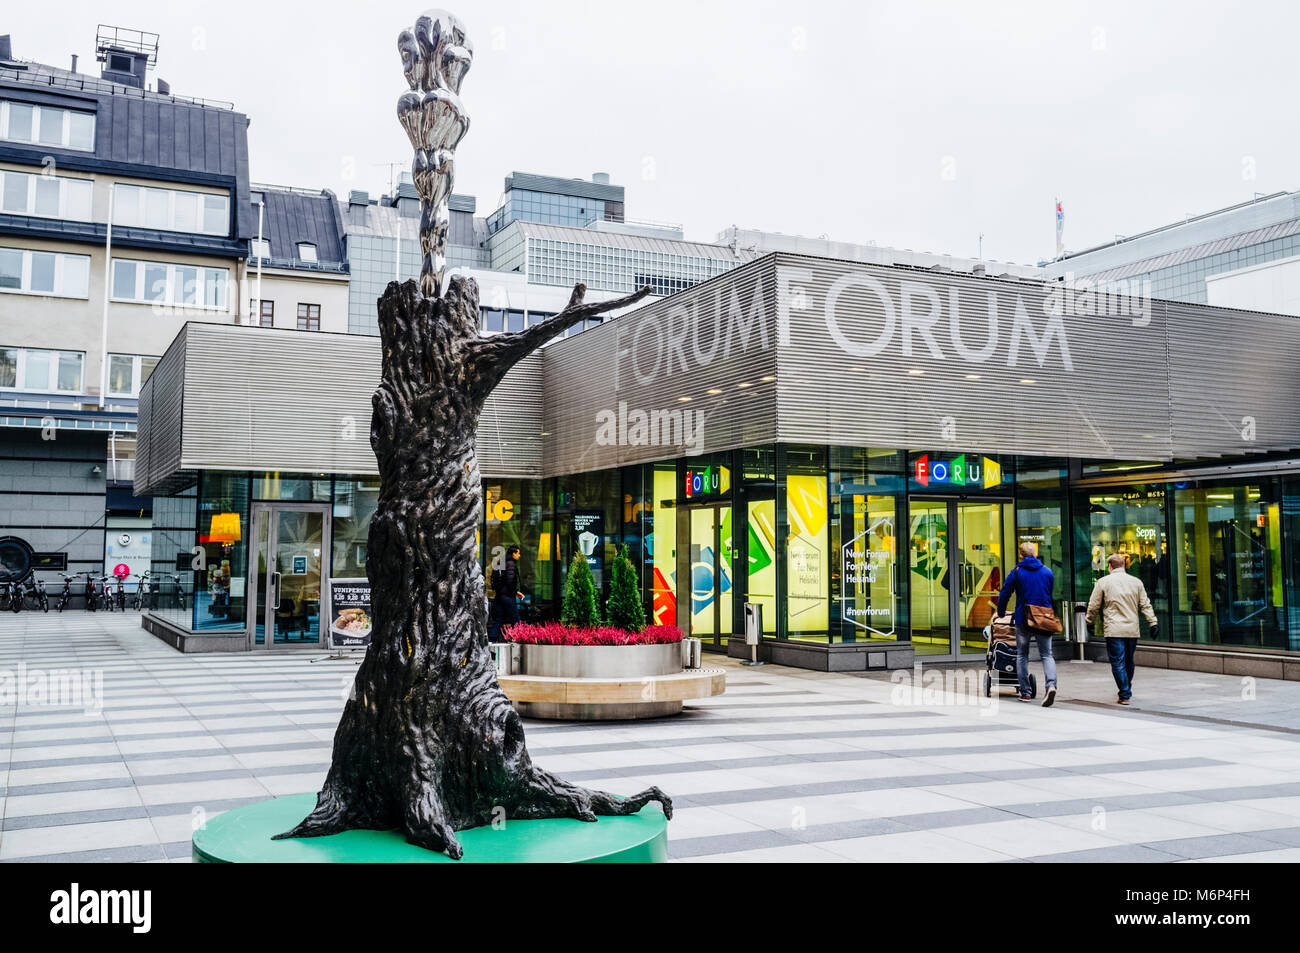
(624,667)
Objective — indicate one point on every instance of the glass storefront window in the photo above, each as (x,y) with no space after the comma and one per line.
(219,596)
(1131,521)
(1229,570)
(355,502)
(1290,531)
(518,513)
(291,487)
(174,531)
(807,544)
(661,544)
(1041,521)
(760,578)
(588,521)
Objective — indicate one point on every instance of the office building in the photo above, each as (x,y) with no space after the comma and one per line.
(1175,261)
(124,213)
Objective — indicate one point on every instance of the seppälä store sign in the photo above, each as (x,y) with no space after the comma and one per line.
(931,472)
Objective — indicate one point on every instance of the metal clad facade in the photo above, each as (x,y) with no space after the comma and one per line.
(166,407)
(787,348)
(719,336)
(891,357)
(290,401)
(268,399)
(1235,380)
(510,428)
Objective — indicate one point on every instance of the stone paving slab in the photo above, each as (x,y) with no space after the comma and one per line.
(787,766)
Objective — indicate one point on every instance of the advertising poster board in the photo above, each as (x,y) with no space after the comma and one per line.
(349,613)
(589,532)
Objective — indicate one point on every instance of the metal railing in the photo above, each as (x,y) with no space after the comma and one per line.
(38,77)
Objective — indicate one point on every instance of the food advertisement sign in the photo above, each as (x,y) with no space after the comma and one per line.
(350,618)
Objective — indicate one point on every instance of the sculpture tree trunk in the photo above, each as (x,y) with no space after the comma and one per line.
(428,743)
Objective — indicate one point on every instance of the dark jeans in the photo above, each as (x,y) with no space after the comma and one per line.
(1121,653)
(507,613)
(1025,637)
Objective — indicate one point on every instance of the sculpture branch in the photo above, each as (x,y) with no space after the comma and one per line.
(491,357)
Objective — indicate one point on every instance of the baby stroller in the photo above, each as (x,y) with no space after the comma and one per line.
(1001,658)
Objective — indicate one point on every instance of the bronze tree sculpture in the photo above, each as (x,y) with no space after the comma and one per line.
(428,744)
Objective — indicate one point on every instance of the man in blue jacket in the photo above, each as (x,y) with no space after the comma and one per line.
(1032,584)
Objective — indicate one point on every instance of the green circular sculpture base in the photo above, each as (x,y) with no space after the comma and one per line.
(243,836)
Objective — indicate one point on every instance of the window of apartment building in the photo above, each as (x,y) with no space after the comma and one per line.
(153,282)
(48,196)
(29,369)
(47,126)
(128,372)
(265,314)
(24,271)
(260,248)
(308,317)
(171,210)
(307,252)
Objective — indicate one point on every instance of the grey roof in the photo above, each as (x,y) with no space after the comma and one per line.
(1195,252)
(554,184)
(164,136)
(378,221)
(293,216)
(1157,245)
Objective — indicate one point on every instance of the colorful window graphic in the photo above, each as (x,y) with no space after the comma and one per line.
(761,574)
(808,563)
(661,547)
(868,601)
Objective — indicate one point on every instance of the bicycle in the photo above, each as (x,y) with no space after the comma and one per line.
(11,596)
(105,583)
(143,597)
(92,591)
(34,594)
(121,594)
(180,590)
(65,597)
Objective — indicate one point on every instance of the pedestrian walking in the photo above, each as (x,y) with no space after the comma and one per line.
(505,587)
(1119,597)
(1032,583)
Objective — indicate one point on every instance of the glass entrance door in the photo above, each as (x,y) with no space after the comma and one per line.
(710,574)
(959,551)
(981,554)
(286,575)
(931,601)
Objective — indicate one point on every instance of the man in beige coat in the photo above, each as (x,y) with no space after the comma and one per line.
(1119,598)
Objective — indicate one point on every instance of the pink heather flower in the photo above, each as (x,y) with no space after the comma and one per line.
(553,633)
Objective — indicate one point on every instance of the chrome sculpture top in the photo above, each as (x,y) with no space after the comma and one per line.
(436,55)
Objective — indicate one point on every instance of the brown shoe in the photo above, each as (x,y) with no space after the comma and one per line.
(1121,701)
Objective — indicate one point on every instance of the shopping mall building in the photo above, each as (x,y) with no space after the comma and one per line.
(856,448)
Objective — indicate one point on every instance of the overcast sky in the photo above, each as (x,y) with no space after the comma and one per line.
(919,125)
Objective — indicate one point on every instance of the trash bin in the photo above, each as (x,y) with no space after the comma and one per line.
(1080,622)
(753,631)
(753,623)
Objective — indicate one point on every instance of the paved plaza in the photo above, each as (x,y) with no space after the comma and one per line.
(788,765)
